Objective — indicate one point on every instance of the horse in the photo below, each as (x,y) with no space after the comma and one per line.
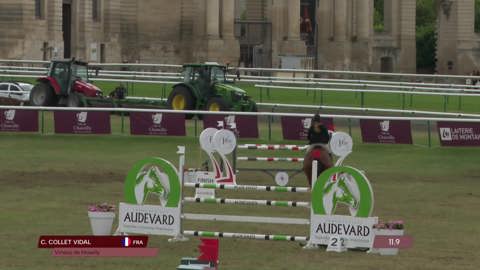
(341,187)
(321,154)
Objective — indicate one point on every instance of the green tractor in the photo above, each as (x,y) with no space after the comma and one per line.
(205,87)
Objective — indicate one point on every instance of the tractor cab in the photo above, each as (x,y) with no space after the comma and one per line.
(65,84)
(204,76)
(66,73)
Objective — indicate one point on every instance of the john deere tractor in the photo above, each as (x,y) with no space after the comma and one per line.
(205,87)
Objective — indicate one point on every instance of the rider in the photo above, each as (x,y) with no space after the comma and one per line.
(318,139)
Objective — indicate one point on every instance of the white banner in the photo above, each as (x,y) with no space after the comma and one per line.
(357,232)
(149,219)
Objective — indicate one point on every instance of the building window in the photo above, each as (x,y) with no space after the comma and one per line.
(379,15)
(96,9)
(39,13)
(477,16)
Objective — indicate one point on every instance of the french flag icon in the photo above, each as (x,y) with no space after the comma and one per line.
(127,242)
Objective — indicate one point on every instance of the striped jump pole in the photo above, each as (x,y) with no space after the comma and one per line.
(271,159)
(248,187)
(268,237)
(247,202)
(290,147)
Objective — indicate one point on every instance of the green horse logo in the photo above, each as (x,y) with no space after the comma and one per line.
(153,176)
(150,180)
(342,185)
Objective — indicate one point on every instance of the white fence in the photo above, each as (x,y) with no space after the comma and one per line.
(266,114)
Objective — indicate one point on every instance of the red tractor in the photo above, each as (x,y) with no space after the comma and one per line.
(65,84)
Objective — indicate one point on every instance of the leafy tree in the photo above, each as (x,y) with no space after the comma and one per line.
(477,16)
(378,16)
(426,37)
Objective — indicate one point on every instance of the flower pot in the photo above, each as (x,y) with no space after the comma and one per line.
(386,251)
(101,222)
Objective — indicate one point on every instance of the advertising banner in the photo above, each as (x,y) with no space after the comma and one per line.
(355,231)
(459,133)
(77,122)
(149,219)
(296,128)
(386,131)
(160,124)
(247,126)
(18,121)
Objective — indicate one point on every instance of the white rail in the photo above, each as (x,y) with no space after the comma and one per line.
(249,219)
(367,90)
(379,117)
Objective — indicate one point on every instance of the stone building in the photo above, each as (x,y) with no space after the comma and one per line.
(330,34)
(458,45)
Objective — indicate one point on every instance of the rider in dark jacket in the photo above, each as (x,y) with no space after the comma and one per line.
(318,139)
(318,132)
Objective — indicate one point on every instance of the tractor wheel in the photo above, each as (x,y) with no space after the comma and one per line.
(181,99)
(74,100)
(217,104)
(42,94)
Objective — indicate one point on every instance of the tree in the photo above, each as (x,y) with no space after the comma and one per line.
(426,38)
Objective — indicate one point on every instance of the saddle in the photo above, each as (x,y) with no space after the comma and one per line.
(324,158)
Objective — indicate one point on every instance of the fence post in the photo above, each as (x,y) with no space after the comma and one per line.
(122,129)
(362,99)
(270,125)
(429,134)
(459,102)
(196,126)
(42,120)
(350,127)
(321,97)
(403,101)
(261,98)
(444,103)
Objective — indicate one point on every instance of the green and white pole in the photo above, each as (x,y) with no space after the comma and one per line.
(251,236)
(247,202)
(249,187)
(181,166)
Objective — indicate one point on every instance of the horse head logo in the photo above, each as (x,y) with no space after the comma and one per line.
(342,185)
(152,180)
(82,117)
(157,118)
(341,189)
(385,125)
(9,115)
(307,122)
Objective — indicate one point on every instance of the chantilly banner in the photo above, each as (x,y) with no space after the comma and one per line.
(71,122)
(386,131)
(160,124)
(18,121)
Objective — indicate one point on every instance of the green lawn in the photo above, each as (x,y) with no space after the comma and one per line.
(48,180)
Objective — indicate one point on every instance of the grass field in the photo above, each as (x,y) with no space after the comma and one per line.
(48,181)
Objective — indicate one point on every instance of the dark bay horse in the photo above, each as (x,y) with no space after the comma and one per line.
(323,157)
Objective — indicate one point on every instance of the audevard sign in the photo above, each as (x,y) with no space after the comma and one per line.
(357,232)
(350,187)
(151,179)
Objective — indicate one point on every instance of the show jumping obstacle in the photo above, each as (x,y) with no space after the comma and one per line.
(280,175)
(341,184)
